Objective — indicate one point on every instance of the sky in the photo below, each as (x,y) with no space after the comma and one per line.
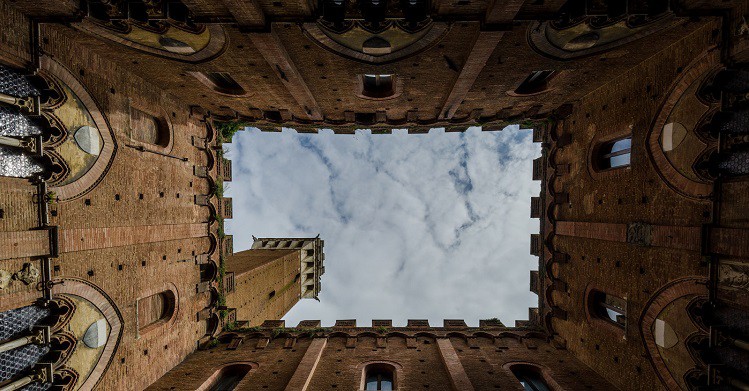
(422,226)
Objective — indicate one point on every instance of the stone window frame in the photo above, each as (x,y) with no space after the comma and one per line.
(166,321)
(99,298)
(395,368)
(657,302)
(595,319)
(548,80)
(203,78)
(599,155)
(537,38)
(209,382)
(165,126)
(544,371)
(318,34)
(215,48)
(597,142)
(89,180)
(397,86)
(706,65)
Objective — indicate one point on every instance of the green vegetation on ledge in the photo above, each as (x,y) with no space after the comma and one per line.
(226,130)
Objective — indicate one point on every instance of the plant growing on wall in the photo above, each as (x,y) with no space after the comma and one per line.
(226,130)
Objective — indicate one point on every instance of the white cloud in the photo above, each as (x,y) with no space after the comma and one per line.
(429,226)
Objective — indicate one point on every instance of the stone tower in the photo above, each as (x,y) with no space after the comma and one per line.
(269,279)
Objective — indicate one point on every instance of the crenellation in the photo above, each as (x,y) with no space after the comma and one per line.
(639,111)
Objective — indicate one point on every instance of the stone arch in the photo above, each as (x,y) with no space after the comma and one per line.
(212,325)
(93,176)
(589,38)
(340,44)
(666,295)
(672,177)
(545,373)
(238,370)
(158,308)
(150,128)
(601,140)
(394,368)
(99,299)
(217,40)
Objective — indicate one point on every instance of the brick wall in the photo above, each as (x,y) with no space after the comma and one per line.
(483,355)
(257,273)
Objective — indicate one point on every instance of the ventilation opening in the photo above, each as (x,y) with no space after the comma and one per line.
(537,81)
(273,115)
(365,118)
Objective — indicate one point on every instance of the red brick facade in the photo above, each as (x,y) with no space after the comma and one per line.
(661,241)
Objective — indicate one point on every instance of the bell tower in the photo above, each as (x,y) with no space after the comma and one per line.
(269,279)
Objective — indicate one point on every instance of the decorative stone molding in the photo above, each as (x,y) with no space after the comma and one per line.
(95,173)
(107,307)
(640,234)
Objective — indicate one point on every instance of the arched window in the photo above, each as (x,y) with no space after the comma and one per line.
(530,378)
(537,81)
(227,378)
(379,377)
(608,308)
(614,154)
(155,309)
(147,128)
(378,86)
(221,82)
